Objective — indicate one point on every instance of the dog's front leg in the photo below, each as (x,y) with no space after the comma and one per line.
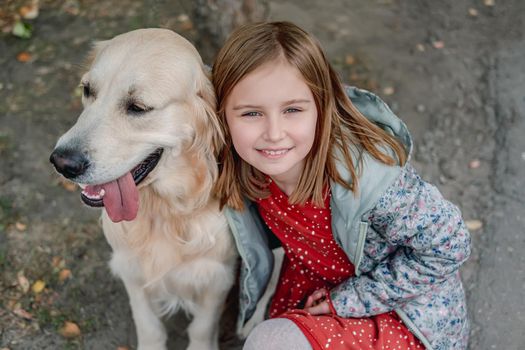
(151,334)
(203,331)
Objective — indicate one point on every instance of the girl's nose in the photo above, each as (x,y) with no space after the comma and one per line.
(274,129)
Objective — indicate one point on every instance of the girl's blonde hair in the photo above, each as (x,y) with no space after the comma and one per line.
(339,123)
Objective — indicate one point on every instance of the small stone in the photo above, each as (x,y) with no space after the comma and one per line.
(474,164)
(438,44)
(474,225)
(420,47)
(473,12)
(420,108)
(20,226)
(489,2)
(389,90)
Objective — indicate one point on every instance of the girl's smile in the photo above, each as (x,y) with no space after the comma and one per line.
(274,153)
(272,117)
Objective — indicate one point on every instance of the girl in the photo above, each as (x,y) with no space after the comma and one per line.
(371,251)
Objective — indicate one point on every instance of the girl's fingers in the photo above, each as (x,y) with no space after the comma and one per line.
(315,297)
(320,309)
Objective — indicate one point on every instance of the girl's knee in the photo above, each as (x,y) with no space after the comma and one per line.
(277,334)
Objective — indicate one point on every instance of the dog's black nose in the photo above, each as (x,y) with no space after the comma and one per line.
(69,162)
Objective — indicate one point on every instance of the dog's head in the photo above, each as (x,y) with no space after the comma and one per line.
(147,98)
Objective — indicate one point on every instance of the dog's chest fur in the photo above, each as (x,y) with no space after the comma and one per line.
(174,259)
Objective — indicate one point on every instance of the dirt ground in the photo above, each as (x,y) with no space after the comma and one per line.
(453,70)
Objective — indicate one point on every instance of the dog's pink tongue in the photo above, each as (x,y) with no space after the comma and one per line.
(121,198)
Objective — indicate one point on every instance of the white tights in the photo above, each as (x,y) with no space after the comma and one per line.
(276,334)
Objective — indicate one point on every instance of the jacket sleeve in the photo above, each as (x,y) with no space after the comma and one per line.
(427,240)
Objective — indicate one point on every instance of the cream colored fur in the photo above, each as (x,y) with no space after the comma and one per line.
(178,252)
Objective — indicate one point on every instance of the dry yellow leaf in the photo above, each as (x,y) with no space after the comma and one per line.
(20,226)
(474,225)
(38,286)
(69,330)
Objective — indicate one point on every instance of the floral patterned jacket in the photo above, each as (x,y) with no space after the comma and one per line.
(405,240)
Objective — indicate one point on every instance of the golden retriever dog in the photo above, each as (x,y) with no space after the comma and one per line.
(143,149)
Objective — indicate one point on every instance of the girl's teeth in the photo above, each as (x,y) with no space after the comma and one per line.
(274,153)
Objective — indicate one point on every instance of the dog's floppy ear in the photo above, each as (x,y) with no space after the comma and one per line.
(209,134)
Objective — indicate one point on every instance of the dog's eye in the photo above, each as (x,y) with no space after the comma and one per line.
(137,108)
(86,90)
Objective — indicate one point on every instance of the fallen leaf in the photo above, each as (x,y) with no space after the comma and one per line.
(473,12)
(122,348)
(72,7)
(438,44)
(489,2)
(29,11)
(20,226)
(38,286)
(23,282)
(57,262)
(350,60)
(23,314)
(23,57)
(22,30)
(64,275)
(474,164)
(474,225)
(68,185)
(69,330)
(13,304)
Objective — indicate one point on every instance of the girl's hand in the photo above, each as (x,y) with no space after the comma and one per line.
(317,303)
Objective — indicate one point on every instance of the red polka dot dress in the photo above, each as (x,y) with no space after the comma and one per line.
(312,261)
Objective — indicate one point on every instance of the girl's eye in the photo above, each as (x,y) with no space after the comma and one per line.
(292,110)
(250,114)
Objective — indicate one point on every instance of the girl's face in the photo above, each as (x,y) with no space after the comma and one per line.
(271,115)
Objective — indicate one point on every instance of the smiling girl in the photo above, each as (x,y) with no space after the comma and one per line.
(371,250)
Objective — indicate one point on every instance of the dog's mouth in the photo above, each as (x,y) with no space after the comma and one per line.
(120,196)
